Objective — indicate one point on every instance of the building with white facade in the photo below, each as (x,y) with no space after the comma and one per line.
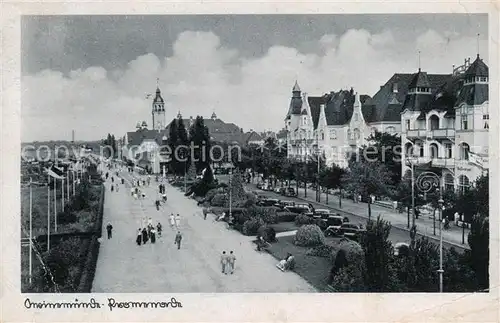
(445,122)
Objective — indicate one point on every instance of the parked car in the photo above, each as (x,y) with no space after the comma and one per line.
(282,190)
(334,223)
(291,192)
(351,231)
(283,204)
(268,202)
(298,208)
(324,213)
(401,249)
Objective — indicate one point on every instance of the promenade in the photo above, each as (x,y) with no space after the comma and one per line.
(125,267)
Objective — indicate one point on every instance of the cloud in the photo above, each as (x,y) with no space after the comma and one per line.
(203,76)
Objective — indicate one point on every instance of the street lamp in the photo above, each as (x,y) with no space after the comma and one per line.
(410,163)
(440,271)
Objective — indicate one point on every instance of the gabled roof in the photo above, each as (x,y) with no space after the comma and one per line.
(477,68)
(252,136)
(281,134)
(136,138)
(419,79)
(314,104)
(473,94)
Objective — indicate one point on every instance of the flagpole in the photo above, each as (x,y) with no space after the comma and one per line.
(62,191)
(55,204)
(48,212)
(67,186)
(31,233)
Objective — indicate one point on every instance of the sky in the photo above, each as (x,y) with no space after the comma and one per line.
(91,74)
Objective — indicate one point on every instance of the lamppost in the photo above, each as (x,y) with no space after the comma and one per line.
(440,271)
(413,226)
(425,182)
(230,193)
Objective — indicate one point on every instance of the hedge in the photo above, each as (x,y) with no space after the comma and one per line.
(309,235)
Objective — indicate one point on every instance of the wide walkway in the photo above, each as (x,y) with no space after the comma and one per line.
(125,267)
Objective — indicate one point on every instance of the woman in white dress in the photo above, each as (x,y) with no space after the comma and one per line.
(172,220)
(178,220)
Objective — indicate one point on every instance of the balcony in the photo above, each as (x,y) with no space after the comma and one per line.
(443,162)
(431,134)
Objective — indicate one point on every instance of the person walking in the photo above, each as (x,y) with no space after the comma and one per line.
(112,179)
(109,229)
(138,240)
(112,187)
(178,220)
(223,262)
(178,239)
(172,220)
(159,228)
(144,236)
(157,203)
(231,259)
(153,235)
(123,181)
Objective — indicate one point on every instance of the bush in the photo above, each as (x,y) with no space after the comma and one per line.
(286,216)
(348,279)
(268,214)
(323,251)
(267,233)
(219,199)
(309,236)
(251,227)
(303,219)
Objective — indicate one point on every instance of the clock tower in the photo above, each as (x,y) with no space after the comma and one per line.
(158,110)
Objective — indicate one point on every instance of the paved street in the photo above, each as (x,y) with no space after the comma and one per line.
(125,267)
(358,213)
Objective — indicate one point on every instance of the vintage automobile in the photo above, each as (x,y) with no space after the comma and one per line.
(282,204)
(290,192)
(334,223)
(298,208)
(351,231)
(267,202)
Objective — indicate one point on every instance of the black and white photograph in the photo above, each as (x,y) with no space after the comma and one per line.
(270,156)
(205,154)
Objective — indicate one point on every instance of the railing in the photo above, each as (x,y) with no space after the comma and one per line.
(436,133)
(443,162)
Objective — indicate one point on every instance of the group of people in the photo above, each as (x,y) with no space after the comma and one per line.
(227,262)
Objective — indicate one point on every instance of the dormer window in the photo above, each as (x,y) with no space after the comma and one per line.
(395,87)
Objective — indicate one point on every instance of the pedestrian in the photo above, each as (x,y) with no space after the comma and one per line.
(123,181)
(178,220)
(157,202)
(153,235)
(143,195)
(112,179)
(107,175)
(164,196)
(112,188)
(144,236)
(109,228)
(132,191)
(172,220)
(223,262)
(159,228)
(159,189)
(231,259)
(139,237)
(456,216)
(178,238)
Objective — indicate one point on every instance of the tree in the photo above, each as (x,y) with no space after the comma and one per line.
(331,179)
(200,139)
(478,239)
(378,253)
(367,179)
(383,147)
(482,195)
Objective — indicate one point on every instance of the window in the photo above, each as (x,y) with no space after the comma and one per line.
(464,122)
(434,122)
(449,149)
(390,130)
(349,134)
(356,117)
(486,126)
(486,117)
(464,151)
(333,134)
(322,135)
(395,87)
(357,134)
(463,183)
(408,149)
(421,150)
(449,182)
(407,124)
(433,151)
(483,79)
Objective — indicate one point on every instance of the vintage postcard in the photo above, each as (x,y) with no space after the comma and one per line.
(231,162)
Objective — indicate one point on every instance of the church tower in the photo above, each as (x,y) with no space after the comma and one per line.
(158,110)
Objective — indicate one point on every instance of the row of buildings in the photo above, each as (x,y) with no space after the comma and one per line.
(144,144)
(442,119)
